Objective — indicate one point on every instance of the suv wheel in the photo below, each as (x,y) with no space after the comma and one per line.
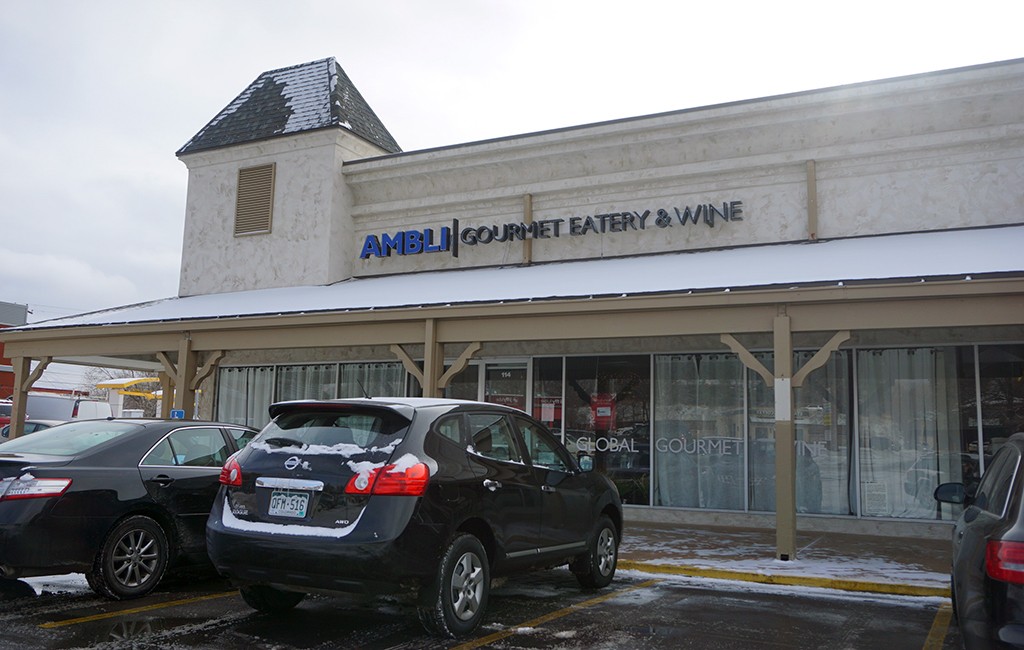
(596,568)
(453,604)
(132,560)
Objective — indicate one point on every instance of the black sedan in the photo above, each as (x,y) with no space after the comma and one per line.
(988,552)
(118,500)
(431,497)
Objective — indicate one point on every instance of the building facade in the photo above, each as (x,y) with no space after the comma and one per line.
(800,310)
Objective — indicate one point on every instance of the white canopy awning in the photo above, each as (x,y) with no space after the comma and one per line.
(917,256)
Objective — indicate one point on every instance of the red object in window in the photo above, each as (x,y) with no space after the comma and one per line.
(603,406)
(1004,561)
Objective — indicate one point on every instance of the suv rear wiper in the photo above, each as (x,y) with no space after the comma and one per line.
(284,442)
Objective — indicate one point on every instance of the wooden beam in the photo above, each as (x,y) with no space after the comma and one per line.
(459,365)
(820,357)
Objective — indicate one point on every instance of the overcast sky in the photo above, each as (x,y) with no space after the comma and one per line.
(97,95)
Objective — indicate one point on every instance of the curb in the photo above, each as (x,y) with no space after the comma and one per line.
(790,580)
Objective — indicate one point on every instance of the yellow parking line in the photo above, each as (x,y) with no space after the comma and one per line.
(937,635)
(136,610)
(497,636)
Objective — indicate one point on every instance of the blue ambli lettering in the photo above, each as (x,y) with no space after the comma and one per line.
(428,240)
(371,246)
(413,242)
(389,244)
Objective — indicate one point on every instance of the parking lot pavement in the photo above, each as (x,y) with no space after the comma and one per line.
(892,565)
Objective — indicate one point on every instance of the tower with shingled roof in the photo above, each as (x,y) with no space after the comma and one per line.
(267,204)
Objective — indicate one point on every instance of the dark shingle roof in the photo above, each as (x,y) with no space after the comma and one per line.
(304,97)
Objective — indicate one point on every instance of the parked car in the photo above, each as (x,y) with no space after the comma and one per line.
(118,500)
(432,497)
(987,575)
(65,407)
(31,426)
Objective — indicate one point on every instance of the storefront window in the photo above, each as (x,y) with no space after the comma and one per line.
(608,414)
(821,419)
(306,382)
(1002,394)
(908,430)
(465,385)
(699,445)
(373,379)
(547,392)
(244,395)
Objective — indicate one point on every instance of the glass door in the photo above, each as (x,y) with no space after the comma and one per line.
(506,383)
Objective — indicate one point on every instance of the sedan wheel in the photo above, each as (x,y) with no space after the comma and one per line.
(132,561)
(596,568)
(453,605)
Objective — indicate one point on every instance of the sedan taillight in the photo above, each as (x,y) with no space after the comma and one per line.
(35,488)
(231,473)
(1004,561)
(389,480)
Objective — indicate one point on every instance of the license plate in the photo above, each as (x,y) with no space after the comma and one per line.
(285,503)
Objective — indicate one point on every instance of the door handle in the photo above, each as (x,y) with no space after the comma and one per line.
(491,485)
(547,488)
(162,480)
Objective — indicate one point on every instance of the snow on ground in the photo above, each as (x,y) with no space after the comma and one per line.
(72,582)
(748,553)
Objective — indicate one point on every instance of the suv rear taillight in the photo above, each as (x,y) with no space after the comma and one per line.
(231,473)
(389,480)
(35,488)
(1004,561)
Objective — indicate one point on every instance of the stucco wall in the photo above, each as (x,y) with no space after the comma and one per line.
(937,151)
(934,151)
(308,242)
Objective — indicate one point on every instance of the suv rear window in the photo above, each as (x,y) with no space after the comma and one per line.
(363,428)
(5,409)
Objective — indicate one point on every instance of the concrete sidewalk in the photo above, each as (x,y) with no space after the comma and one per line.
(891,565)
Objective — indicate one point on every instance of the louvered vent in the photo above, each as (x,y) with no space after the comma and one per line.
(255,205)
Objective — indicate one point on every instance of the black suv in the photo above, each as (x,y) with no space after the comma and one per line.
(987,575)
(428,496)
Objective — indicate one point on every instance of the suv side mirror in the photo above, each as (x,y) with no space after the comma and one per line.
(586,461)
(951,493)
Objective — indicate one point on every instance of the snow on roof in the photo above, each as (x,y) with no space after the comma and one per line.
(944,254)
(296,99)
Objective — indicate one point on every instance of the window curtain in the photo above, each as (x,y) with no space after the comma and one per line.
(908,430)
(376,379)
(306,382)
(699,445)
(244,395)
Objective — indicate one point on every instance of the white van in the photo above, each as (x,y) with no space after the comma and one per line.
(40,406)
